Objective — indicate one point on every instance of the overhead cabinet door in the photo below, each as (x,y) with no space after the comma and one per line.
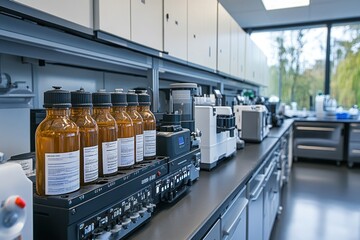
(113,16)
(249,59)
(79,11)
(224,19)
(234,48)
(242,45)
(146,23)
(202,21)
(175,28)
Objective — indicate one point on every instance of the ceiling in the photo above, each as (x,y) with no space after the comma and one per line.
(251,14)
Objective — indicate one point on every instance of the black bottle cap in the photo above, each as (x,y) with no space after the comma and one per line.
(101,99)
(119,98)
(132,98)
(144,99)
(57,98)
(80,98)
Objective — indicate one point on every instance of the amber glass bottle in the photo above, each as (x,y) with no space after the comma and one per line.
(108,131)
(131,109)
(57,147)
(81,102)
(149,125)
(126,136)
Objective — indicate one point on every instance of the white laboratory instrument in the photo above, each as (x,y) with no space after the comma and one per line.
(16,203)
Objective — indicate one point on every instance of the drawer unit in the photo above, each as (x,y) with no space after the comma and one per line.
(215,232)
(353,144)
(320,140)
(233,221)
(255,186)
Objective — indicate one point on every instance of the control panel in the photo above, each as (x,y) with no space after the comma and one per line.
(170,187)
(119,219)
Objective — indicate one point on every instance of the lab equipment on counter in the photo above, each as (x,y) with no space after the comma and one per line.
(217,124)
(273,106)
(252,122)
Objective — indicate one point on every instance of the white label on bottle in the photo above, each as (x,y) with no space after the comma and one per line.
(149,143)
(91,165)
(110,157)
(126,151)
(139,147)
(62,172)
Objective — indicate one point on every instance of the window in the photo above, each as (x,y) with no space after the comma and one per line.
(345,64)
(297,63)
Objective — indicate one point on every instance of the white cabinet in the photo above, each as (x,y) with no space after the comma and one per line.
(112,16)
(234,49)
(256,70)
(79,11)
(202,21)
(224,35)
(146,23)
(175,28)
(249,59)
(241,52)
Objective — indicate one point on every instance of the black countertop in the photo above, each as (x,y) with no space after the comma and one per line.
(277,132)
(192,216)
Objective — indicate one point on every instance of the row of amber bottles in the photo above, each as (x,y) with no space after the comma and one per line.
(115,136)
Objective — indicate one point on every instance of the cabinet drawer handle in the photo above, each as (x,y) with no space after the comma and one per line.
(356,130)
(324,129)
(354,125)
(236,221)
(316,148)
(357,151)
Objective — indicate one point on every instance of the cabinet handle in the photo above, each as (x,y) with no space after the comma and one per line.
(143,1)
(167,17)
(316,148)
(256,193)
(209,51)
(356,151)
(324,129)
(356,130)
(236,221)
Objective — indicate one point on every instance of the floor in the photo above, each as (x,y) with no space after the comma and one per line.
(321,201)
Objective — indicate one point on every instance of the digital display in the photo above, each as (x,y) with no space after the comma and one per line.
(181,141)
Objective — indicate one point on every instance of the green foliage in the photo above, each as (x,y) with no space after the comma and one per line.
(345,83)
(345,80)
(297,83)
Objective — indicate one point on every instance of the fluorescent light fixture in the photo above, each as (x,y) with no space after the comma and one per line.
(280,4)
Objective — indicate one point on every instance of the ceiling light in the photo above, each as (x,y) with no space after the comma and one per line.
(280,4)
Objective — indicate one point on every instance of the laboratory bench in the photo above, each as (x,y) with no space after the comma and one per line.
(212,194)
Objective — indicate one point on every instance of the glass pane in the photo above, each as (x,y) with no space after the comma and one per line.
(297,63)
(345,64)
